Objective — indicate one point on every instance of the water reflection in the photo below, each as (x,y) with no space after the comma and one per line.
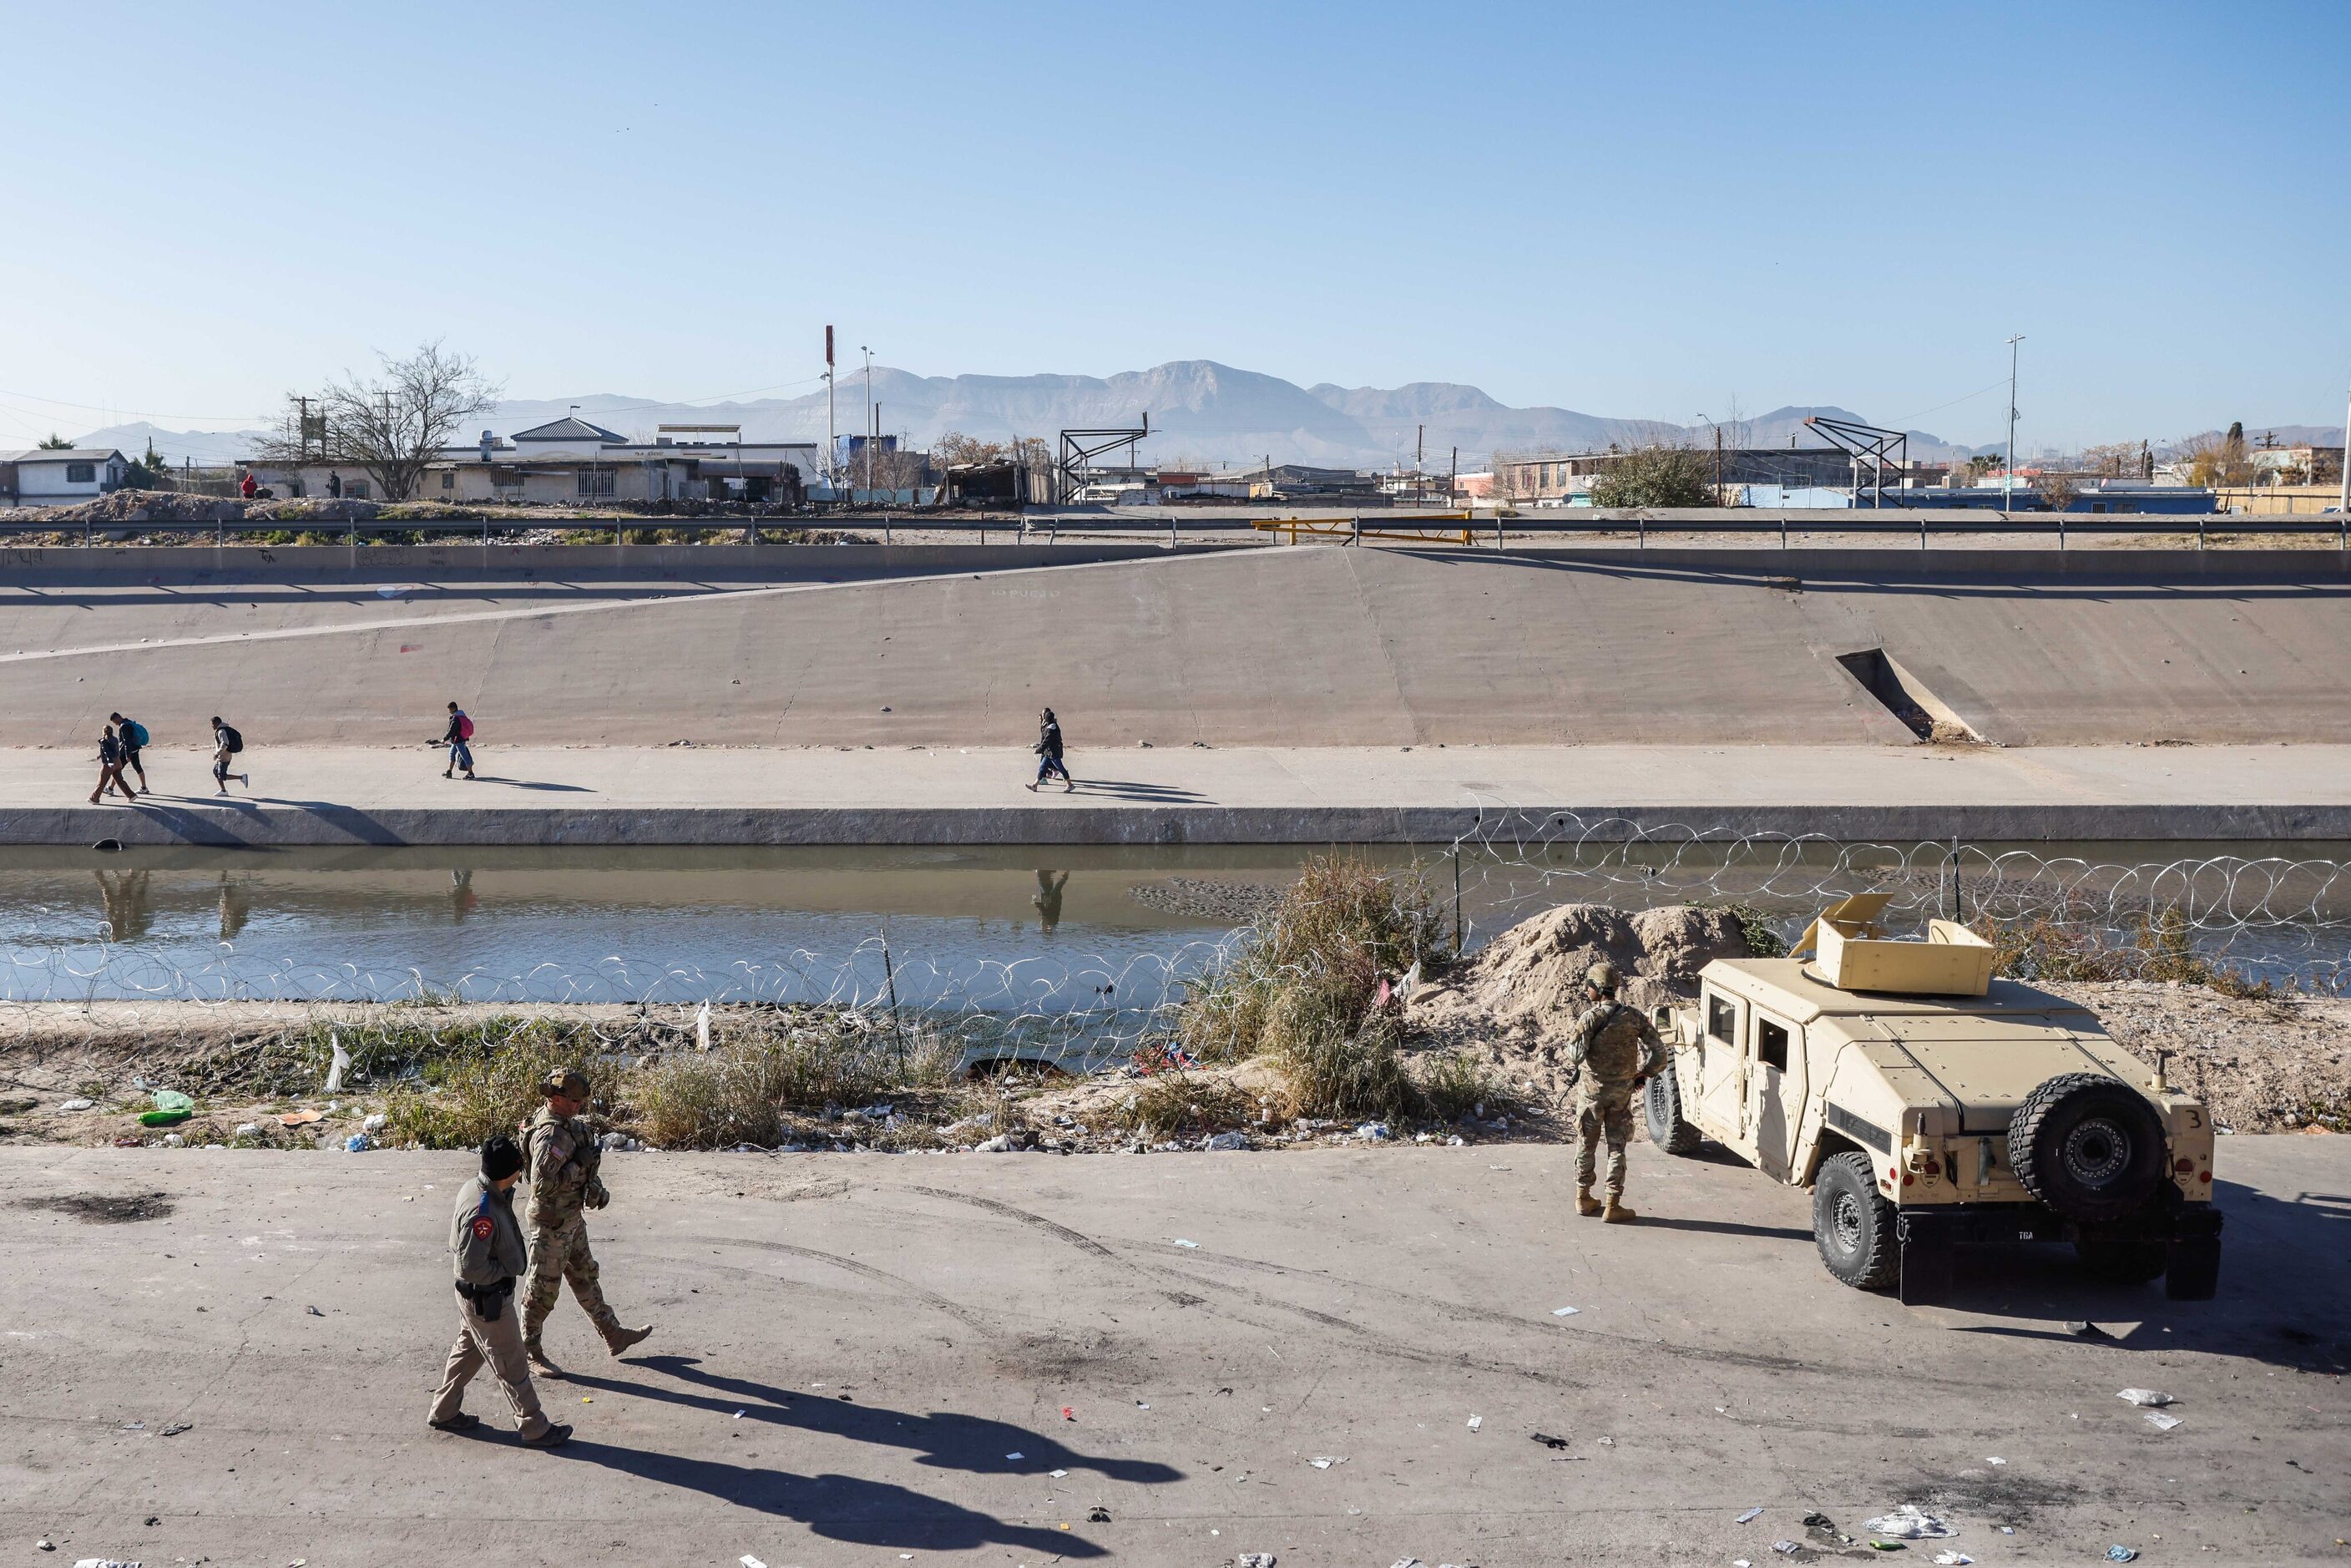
(1047,899)
(127,901)
(235,907)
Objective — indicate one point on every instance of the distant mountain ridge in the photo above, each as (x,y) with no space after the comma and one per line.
(1200,412)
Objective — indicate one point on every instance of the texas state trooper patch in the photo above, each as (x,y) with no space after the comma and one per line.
(483,1228)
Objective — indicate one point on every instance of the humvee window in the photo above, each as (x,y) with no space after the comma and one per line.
(1721,1019)
(1771,1044)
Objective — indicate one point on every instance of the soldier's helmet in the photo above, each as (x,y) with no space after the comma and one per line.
(1602,978)
(568,1081)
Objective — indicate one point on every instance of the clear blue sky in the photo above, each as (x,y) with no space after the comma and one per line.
(1642,211)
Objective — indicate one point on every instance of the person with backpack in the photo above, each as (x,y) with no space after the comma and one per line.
(226,743)
(110,768)
(133,736)
(1049,752)
(458,737)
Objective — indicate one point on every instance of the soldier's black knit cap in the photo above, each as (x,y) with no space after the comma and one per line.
(500,1158)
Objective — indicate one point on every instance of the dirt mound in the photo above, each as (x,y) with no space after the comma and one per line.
(1513,1003)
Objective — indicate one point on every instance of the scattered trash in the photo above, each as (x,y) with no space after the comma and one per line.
(134,1426)
(1907,1523)
(172,1140)
(1139,1405)
(377,1123)
(129,1143)
(1786,1548)
(176,1427)
(1325,1461)
(1548,1441)
(1181,1242)
(161,1118)
(1254,1559)
(302,1118)
(1887,1546)
(1406,1563)
(1068,1413)
(702,1028)
(2086,1331)
(1099,1516)
(2161,1422)
(77,1104)
(341,1065)
(1749,1516)
(1476,1422)
(105,1562)
(172,1100)
(357,1143)
(248,1129)
(1227,1142)
(45,1544)
(999,1144)
(1015,1456)
(1059,1474)
(2120,1554)
(1607,1442)
(1375,1132)
(750,1562)
(1565,1311)
(314,1311)
(1947,1559)
(1994,1459)
(2146,1396)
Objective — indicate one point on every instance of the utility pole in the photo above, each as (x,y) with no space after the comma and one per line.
(1419,448)
(869,417)
(2346,459)
(2008,479)
(831,437)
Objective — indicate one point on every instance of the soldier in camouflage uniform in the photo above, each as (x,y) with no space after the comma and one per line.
(1614,1049)
(563,1159)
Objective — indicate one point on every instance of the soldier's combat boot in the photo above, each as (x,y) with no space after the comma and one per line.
(1616,1213)
(1585,1204)
(540,1366)
(618,1339)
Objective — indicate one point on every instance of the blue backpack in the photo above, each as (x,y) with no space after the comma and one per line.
(136,731)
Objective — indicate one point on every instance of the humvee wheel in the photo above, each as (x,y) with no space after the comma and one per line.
(1662,1105)
(2124,1260)
(1852,1225)
(2087,1145)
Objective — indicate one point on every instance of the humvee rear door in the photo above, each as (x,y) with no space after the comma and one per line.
(1775,1089)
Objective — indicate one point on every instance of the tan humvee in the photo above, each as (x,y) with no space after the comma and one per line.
(1938,1106)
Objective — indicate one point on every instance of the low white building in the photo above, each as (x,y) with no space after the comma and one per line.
(60,476)
(570,462)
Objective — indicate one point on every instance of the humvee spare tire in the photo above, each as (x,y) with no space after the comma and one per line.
(1662,1103)
(2088,1146)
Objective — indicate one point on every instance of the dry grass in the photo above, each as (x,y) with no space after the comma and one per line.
(742,1090)
(2159,948)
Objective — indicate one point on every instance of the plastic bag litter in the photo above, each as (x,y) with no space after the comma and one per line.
(1254,1559)
(1323,1462)
(1565,1311)
(999,1144)
(78,1104)
(341,1065)
(2120,1554)
(1227,1142)
(2147,1397)
(1786,1548)
(2161,1422)
(1375,1132)
(1181,1242)
(1749,1516)
(1947,1559)
(357,1143)
(750,1562)
(1476,1422)
(1907,1523)
(104,1563)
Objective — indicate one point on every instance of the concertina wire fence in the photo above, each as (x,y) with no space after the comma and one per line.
(2286,920)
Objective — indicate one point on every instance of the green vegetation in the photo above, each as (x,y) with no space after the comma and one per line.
(1657,476)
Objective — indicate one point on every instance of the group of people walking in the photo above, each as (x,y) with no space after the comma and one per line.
(121,748)
(492,1252)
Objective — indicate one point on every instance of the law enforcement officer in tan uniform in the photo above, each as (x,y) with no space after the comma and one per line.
(1615,1049)
(485,1244)
(563,1159)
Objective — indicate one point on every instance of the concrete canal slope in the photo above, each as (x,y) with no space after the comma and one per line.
(1418,795)
(862,1356)
(1289,647)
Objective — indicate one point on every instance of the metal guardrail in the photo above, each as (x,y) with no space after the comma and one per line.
(1341,527)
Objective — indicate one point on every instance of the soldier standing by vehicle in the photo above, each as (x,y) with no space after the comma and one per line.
(564,1159)
(486,1246)
(1614,1049)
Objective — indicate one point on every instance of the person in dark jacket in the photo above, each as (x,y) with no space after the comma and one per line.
(459,738)
(110,768)
(1049,752)
(133,736)
(486,1250)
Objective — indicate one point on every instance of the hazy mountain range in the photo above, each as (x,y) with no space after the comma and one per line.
(1199,410)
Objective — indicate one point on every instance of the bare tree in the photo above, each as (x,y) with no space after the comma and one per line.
(2219,459)
(393,426)
(2055,489)
(2114,460)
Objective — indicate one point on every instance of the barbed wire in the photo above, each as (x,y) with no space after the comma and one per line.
(2279,920)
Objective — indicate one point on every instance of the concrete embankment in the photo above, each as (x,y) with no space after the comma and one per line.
(1325,646)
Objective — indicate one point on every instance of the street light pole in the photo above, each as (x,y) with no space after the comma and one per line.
(2346,502)
(2008,477)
